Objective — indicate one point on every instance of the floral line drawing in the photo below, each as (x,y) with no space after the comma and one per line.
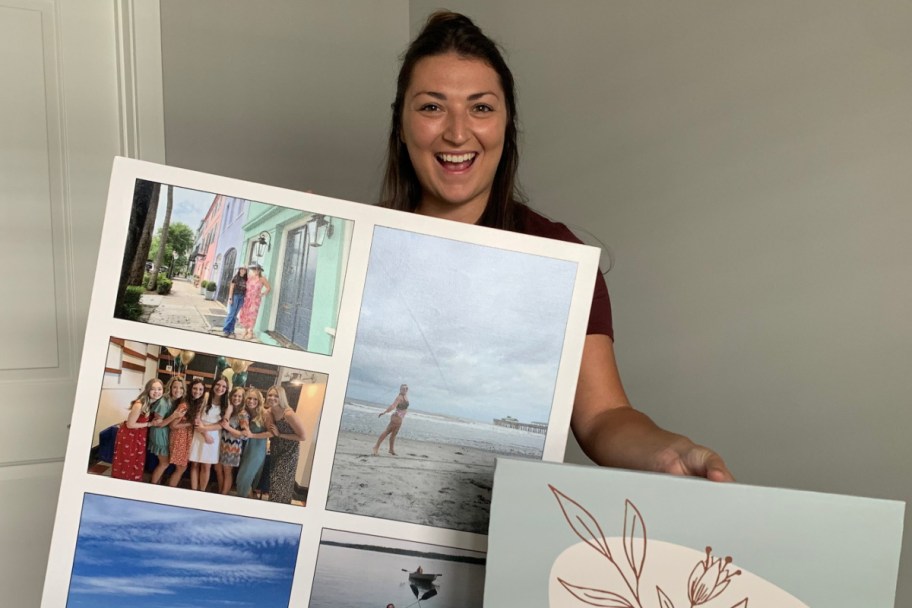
(709,578)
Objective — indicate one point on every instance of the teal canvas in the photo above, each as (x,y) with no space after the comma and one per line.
(566,536)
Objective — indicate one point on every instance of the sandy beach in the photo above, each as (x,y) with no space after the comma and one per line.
(432,484)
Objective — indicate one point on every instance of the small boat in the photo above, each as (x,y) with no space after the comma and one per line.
(422,577)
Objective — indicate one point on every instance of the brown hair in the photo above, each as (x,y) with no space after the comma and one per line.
(447,32)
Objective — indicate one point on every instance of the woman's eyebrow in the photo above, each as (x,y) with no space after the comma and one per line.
(442,97)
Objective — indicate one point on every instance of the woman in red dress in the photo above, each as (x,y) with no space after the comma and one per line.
(130,445)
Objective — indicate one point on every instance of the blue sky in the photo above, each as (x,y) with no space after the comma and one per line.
(190,207)
(146,555)
(475,331)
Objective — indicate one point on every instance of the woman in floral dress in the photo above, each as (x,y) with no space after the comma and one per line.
(165,412)
(257,288)
(284,447)
(130,445)
(182,430)
(232,441)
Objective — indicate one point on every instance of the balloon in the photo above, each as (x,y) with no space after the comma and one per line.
(175,352)
(237,365)
(187,357)
(228,374)
(221,362)
(247,365)
(240,379)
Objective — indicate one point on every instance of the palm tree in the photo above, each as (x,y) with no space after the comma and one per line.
(153,276)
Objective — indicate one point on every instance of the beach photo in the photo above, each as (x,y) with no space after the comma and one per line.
(454,364)
(147,555)
(205,422)
(237,268)
(362,571)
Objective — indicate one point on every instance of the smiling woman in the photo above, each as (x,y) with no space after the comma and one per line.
(452,154)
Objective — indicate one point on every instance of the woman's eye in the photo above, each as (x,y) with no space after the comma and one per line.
(483,107)
(429,107)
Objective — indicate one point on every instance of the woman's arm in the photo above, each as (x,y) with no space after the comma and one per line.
(391,407)
(133,416)
(297,425)
(614,434)
(266,285)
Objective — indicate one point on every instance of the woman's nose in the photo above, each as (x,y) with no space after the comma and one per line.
(457,128)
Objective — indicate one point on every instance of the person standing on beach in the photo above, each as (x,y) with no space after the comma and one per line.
(399,407)
(236,293)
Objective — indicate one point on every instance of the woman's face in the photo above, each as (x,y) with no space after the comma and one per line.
(237,398)
(156,391)
(252,402)
(403,389)
(220,388)
(197,390)
(272,398)
(454,119)
(177,390)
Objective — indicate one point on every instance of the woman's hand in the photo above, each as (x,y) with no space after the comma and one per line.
(208,438)
(612,433)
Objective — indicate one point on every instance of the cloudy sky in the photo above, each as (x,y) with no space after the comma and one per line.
(190,207)
(145,555)
(474,331)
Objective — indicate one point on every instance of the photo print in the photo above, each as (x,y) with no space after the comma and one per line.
(455,362)
(362,571)
(238,268)
(174,417)
(147,555)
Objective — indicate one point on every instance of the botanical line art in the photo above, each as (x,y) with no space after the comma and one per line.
(707,581)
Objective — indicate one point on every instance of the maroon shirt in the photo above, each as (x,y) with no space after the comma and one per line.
(600,313)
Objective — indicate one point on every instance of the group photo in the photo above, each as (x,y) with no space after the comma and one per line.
(227,266)
(173,417)
(442,383)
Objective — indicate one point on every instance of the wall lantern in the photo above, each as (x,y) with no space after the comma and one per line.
(323,229)
(261,245)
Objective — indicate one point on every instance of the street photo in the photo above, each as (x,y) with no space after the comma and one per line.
(232,267)
(177,418)
(442,382)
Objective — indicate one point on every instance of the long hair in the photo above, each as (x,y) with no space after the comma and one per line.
(443,33)
(221,402)
(255,392)
(144,398)
(234,391)
(195,406)
(280,393)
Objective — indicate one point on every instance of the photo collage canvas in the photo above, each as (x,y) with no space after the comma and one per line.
(291,400)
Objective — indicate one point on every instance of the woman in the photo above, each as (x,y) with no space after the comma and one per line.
(130,444)
(236,292)
(257,289)
(204,449)
(399,407)
(452,153)
(182,430)
(255,422)
(232,441)
(285,445)
(165,412)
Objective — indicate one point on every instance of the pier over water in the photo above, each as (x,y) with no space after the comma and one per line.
(512,423)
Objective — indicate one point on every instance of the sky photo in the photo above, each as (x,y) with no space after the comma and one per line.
(476,332)
(146,555)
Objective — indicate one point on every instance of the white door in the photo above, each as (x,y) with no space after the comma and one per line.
(69,103)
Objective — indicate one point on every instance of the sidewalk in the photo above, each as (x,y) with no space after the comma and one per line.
(185,308)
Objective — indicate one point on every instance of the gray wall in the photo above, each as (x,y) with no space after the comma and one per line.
(748,164)
(291,93)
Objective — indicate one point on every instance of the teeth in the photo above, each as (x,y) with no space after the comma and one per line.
(456,158)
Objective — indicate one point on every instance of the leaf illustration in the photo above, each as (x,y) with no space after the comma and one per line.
(596,597)
(634,538)
(664,601)
(741,604)
(582,522)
